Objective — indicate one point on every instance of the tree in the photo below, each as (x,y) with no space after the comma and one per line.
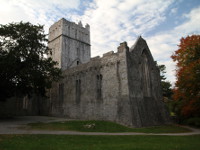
(166,85)
(187,91)
(24,66)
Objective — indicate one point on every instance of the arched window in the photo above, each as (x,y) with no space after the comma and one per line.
(145,69)
(25,102)
(61,93)
(75,33)
(78,52)
(99,86)
(78,91)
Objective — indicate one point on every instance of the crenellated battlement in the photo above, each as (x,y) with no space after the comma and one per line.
(70,30)
(70,43)
(123,47)
(108,59)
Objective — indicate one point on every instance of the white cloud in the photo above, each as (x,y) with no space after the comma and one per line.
(192,25)
(113,21)
(164,44)
(35,11)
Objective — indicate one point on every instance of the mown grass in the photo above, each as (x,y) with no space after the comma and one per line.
(103,126)
(85,142)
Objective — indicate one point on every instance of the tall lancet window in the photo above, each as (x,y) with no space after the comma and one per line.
(146,79)
(61,93)
(99,86)
(78,52)
(78,91)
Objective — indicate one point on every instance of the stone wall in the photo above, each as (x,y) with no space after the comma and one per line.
(144,87)
(20,106)
(123,87)
(96,90)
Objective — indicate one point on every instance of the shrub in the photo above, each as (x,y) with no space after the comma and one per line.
(193,121)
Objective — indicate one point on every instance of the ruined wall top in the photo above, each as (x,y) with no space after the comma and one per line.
(108,59)
(123,46)
(70,30)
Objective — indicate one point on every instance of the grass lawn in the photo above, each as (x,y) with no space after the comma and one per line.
(103,126)
(81,142)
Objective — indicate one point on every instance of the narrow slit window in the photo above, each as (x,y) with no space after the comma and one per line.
(78,91)
(61,93)
(99,86)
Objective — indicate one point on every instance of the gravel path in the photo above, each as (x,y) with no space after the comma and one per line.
(11,126)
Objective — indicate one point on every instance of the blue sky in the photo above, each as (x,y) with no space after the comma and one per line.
(160,22)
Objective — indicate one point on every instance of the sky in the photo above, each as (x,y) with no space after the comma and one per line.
(162,23)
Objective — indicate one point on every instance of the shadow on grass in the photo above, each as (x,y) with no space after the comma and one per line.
(103,126)
(83,142)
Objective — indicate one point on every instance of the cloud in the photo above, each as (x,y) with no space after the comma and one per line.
(163,44)
(191,26)
(112,22)
(36,11)
(115,21)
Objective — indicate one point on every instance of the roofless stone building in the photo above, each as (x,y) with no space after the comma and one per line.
(123,87)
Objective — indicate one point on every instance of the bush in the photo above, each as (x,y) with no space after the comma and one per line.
(193,122)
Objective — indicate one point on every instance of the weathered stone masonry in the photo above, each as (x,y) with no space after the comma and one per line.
(70,43)
(123,87)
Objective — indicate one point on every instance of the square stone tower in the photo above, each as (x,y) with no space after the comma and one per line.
(70,43)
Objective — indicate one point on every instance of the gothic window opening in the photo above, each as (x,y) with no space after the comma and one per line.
(61,93)
(75,33)
(146,81)
(99,86)
(78,91)
(78,52)
(77,63)
(25,102)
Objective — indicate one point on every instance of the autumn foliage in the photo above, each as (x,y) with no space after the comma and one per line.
(187,91)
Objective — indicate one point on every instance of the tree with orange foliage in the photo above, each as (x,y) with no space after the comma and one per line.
(187,90)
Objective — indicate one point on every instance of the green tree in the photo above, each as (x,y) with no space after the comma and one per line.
(24,65)
(166,85)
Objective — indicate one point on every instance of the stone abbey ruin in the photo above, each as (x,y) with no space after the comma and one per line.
(122,86)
